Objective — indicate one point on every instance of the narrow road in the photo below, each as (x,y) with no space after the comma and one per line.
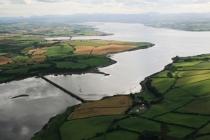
(63,89)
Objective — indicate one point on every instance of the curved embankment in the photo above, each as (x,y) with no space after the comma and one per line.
(173,104)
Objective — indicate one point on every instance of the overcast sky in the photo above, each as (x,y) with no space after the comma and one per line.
(68,7)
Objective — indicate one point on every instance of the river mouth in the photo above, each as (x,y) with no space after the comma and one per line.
(20,118)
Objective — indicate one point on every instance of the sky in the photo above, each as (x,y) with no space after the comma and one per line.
(69,7)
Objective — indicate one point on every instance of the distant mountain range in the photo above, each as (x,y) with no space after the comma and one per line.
(190,21)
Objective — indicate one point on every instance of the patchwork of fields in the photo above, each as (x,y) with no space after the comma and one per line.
(26,56)
(173,105)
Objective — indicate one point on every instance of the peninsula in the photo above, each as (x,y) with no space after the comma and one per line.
(172,105)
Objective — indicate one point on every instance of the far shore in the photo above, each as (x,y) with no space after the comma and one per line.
(66,58)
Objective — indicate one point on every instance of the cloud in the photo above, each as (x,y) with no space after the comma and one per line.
(131,1)
(16,1)
(66,7)
(51,0)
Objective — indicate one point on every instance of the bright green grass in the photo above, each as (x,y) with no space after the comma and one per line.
(198,89)
(85,128)
(162,74)
(186,64)
(60,50)
(70,65)
(172,100)
(192,79)
(179,96)
(200,57)
(83,62)
(205,65)
(192,73)
(162,84)
(21,59)
(188,120)
(94,61)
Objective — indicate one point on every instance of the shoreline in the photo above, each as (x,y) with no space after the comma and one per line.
(95,70)
(70,109)
(64,72)
(134,97)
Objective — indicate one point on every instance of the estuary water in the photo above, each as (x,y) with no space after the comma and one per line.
(20,118)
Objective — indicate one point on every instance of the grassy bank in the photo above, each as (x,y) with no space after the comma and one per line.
(173,105)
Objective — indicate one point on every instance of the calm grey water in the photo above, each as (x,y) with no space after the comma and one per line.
(133,67)
(20,118)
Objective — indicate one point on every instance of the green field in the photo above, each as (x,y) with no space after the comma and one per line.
(204,130)
(23,56)
(185,102)
(52,66)
(86,128)
(118,134)
(162,84)
(177,99)
(63,49)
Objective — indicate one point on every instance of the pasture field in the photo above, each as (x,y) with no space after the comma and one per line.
(139,124)
(173,105)
(186,102)
(194,121)
(199,106)
(17,71)
(162,84)
(192,73)
(85,128)
(31,56)
(61,49)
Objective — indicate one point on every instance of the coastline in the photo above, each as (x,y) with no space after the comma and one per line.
(137,98)
(71,109)
(89,69)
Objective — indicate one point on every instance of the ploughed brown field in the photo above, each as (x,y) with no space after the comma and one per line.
(5,60)
(112,48)
(83,47)
(38,55)
(107,106)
